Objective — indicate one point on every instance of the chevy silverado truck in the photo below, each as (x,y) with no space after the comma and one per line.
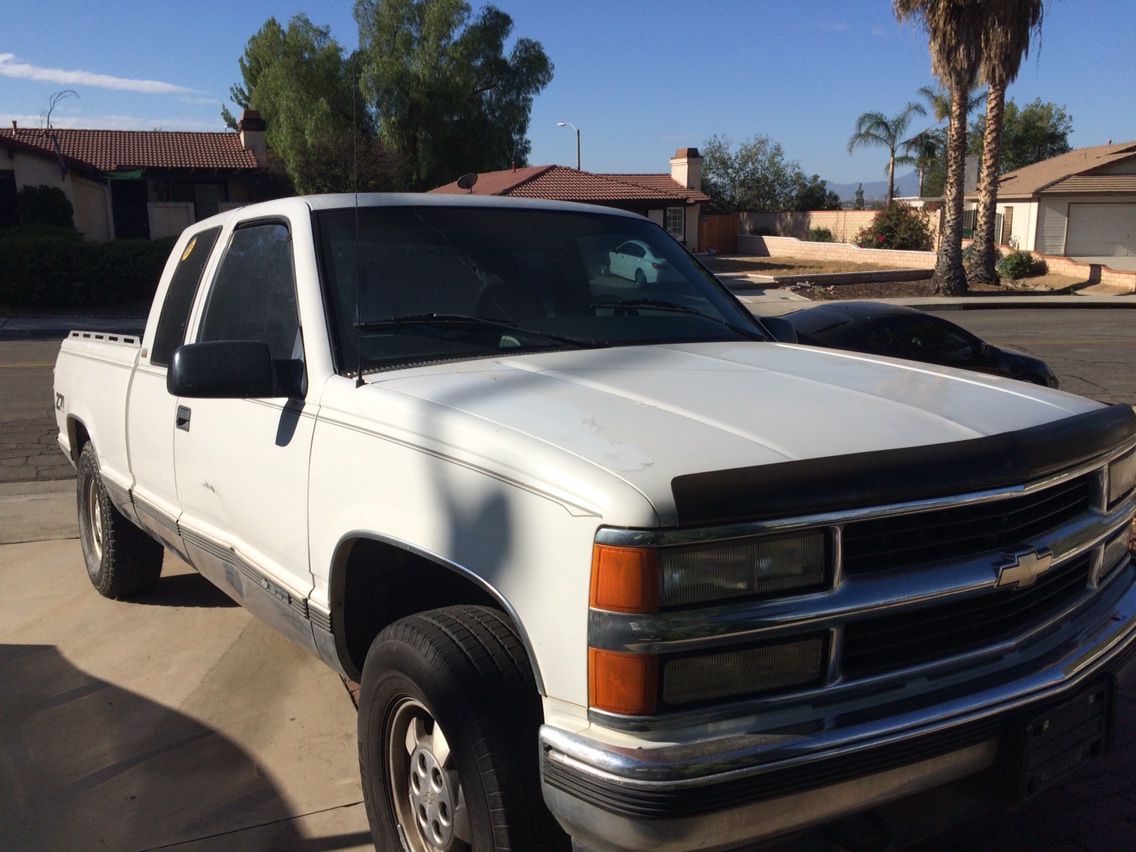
(613,568)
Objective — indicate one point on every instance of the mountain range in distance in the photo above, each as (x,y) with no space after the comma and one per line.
(905,185)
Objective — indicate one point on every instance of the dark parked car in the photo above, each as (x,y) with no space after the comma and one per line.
(882,329)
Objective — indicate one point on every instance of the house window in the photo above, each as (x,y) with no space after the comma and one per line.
(676,222)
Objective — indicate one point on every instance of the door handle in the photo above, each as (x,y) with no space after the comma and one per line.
(182,421)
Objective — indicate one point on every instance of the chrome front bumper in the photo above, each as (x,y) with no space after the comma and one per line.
(722,793)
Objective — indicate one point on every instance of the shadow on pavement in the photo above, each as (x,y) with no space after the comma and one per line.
(185,590)
(85,764)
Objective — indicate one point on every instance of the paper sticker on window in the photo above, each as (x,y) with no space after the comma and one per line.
(189,248)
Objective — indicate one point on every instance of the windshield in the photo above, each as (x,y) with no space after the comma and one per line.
(420,284)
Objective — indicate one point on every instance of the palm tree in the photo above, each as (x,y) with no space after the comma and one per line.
(921,151)
(925,149)
(876,129)
(1005,42)
(954,29)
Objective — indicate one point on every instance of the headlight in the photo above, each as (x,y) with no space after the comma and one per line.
(1121,477)
(704,573)
(708,677)
(645,579)
(1115,553)
(634,580)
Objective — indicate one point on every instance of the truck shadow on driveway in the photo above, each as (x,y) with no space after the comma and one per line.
(86,764)
(185,590)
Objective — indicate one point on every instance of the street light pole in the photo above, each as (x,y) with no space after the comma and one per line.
(577,129)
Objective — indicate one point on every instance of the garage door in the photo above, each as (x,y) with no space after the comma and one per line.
(1101,230)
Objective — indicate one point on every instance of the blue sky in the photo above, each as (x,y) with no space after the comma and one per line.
(640,78)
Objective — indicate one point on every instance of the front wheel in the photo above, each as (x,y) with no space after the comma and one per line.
(122,561)
(448,719)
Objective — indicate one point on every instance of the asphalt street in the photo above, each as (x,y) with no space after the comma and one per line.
(181,721)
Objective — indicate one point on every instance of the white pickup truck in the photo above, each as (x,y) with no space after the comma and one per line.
(608,562)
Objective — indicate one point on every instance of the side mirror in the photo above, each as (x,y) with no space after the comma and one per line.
(232,369)
(780,328)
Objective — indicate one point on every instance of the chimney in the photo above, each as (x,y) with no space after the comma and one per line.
(686,168)
(251,129)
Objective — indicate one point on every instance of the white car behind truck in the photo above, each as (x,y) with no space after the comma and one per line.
(607,562)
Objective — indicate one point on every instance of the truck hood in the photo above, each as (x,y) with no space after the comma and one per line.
(648,414)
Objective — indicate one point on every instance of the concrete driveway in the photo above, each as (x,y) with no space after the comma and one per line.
(176,719)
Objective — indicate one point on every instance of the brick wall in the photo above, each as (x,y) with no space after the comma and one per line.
(792,247)
(1089,271)
(844,224)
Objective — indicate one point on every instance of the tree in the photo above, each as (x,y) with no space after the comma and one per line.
(858,204)
(927,148)
(954,29)
(814,194)
(874,129)
(446,98)
(1006,37)
(755,177)
(318,124)
(922,151)
(1030,134)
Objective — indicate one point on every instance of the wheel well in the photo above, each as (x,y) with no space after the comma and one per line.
(382,583)
(77,436)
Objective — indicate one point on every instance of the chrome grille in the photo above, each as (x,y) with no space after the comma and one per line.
(894,642)
(894,543)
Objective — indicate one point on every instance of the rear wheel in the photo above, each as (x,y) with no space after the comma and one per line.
(448,719)
(122,561)
(640,278)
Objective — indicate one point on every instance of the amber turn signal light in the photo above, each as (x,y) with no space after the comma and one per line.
(623,683)
(624,579)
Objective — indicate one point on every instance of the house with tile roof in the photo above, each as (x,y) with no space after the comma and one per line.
(1081,204)
(672,200)
(135,183)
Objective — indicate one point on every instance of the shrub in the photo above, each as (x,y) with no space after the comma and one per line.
(820,235)
(45,205)
(897,226)
(1019,264)
(968,254)
(45,268)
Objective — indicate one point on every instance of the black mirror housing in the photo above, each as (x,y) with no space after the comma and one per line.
(232,369)
(782,330)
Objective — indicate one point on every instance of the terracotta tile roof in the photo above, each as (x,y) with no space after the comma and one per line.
(1081,170)
(560,183)
(666,183)
(107,150)
(9,141)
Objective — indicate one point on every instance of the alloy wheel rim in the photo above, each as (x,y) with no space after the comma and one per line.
(426,791)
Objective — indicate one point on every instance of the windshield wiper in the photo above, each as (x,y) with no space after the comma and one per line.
(465,319)
(675,307)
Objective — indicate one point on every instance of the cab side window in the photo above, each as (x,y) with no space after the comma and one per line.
(180,297)
(254,293)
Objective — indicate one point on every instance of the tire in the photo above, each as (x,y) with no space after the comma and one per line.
(448,719)
(640,278)
(122,561)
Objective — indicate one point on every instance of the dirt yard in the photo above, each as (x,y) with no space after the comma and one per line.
(772,266)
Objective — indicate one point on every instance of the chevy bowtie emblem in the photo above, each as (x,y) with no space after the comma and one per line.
(1023,567)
